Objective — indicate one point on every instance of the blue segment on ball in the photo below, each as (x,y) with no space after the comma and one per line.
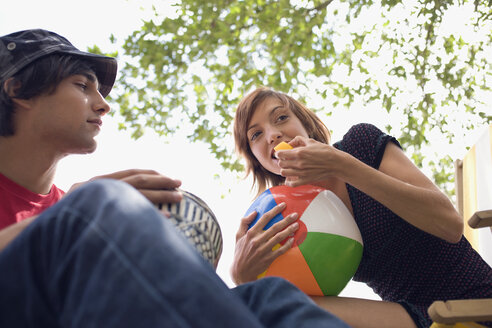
(264,203)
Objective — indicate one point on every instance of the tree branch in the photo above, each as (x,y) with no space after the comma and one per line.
(321,6)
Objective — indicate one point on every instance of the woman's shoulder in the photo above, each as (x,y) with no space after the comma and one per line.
(363,130)
(359,135)
(366,142)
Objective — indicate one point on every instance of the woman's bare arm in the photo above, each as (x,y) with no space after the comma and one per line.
(398,184)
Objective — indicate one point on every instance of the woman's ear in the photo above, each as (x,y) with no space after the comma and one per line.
(10,87)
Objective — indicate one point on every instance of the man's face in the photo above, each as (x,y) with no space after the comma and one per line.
(68,119)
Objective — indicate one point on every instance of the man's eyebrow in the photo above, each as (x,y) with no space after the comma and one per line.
(92,78)
(271,114)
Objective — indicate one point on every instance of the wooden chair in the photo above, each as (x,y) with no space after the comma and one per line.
(474,201)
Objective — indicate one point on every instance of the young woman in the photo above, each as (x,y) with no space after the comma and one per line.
(414,250)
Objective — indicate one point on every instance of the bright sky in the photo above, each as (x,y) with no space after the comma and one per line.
(90,22)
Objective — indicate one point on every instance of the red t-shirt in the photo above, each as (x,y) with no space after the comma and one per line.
(17,203)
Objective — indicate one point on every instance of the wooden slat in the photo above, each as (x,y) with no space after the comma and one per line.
(461,310)
(481,219)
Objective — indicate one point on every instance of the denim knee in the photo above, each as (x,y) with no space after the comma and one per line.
(112,207)
(118,199)
(107,192)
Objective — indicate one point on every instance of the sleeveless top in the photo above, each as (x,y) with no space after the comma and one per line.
(400,262)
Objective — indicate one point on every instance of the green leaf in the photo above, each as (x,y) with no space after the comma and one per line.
(189,72)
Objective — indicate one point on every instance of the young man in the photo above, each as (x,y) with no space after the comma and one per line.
(52,104)
(102,255)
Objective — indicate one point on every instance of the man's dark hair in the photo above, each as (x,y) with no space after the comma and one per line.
(40,77)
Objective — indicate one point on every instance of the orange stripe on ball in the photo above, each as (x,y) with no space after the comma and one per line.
(293,267)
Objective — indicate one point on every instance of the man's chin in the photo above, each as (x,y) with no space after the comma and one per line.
(91,150)
(88,149)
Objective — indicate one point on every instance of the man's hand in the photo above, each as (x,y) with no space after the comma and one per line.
(154,186)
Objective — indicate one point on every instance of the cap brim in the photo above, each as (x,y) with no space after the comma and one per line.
(105,69)
(22,48)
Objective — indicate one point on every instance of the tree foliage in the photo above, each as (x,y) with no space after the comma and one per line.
(427,60)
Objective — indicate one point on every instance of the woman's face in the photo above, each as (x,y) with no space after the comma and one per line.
(272,123)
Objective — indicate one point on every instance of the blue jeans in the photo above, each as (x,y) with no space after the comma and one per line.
(105,257)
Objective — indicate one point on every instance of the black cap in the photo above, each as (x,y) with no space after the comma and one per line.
(19,49)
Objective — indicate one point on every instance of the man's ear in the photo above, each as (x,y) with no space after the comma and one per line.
(11,86)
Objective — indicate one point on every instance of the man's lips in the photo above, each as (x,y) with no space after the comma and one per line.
(96,121)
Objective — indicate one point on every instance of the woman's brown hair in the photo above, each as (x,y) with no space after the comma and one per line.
(315,129)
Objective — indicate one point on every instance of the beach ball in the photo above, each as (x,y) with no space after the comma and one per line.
(327,247)
(197,223)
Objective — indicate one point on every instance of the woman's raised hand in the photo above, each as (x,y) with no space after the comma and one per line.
(309,162)
(253,253)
